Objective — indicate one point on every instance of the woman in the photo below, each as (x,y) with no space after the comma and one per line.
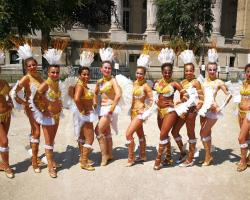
(83,110)
(47,106)
(139,111)
(244,121)
(193,87)
(5,117)
(110,92)
(32,78)
(211,111)
(165,88)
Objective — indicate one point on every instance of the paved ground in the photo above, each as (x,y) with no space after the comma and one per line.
(219,181)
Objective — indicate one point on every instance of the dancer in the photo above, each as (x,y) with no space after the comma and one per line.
(210,112)
(47,106)
(165,88)
(244,121)
(31,79)
(193,88)
(140,111)
(83,110)
(5,118)
(110,93)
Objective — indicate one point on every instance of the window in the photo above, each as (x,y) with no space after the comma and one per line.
(231,61)
(126,21)
(13,57)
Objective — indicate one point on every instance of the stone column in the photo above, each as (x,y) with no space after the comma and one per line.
(241,18)
(152,34)
(116,24)
(116,29)
(217,17)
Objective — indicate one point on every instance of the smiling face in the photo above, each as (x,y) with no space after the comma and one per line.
(189,71)
(106,69)
(54,73)
(212,70)
(31,66)
(167,72)
(84,76)
(140,73)
(247,73)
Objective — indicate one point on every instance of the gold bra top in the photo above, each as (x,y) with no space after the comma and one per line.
(163,87)
(244,90)
(138,89)
(5,90)
(52,94)
(88,94)
(187,84)
(105,85)
(34,81)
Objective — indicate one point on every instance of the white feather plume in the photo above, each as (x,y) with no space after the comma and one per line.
(106,54)
(66,98)
(166,56)
(86,58)
(127,89)
(208,101)
(212,56)
(24,52)
(143,61)
(187,56)
(1,57)
(53,56)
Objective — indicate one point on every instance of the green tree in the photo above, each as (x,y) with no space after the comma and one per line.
(185,19)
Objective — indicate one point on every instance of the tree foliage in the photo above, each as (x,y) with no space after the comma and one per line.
(24,17)
(185,19)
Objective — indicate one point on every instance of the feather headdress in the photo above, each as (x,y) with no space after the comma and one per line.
(86,58)
(212,56)
(166,56)
(143,61)
(187,56)
(106,54)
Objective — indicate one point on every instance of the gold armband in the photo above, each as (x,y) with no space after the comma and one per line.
(112,108)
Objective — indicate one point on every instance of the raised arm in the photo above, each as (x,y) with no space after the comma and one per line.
(149,94)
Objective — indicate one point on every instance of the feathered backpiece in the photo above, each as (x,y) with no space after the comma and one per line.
(187,56)
(106,54)
(143,61)
(212,56)
(1,56)
(166,56)
(54,55)
(86,58)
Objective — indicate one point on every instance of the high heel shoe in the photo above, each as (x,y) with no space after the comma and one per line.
(208,162)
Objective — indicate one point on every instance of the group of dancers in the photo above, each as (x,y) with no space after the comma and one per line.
(43,102)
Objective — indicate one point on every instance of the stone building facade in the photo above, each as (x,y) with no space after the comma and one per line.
(137,26)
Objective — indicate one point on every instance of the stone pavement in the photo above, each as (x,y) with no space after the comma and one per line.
(115,181)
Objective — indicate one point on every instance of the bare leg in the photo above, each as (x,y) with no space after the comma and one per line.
(206,139)
(243,137)
(178,139)
(168,122)
(4,149)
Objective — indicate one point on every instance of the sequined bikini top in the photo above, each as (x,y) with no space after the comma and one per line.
(105,85)
(51,94)
(187,84)
(34,81)
(138,89)
(163,87)
(244,90)
(88,94)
